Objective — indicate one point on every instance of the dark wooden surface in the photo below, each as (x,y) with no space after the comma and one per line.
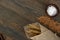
(14,14)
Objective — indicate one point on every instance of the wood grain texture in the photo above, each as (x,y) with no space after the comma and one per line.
(14,14)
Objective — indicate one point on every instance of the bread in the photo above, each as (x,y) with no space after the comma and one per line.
(50,23)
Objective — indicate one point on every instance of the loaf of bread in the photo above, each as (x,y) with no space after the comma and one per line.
(50,23)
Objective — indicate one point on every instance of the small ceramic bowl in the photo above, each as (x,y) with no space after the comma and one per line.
(52,10)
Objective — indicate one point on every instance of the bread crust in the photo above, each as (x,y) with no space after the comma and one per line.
(50,23)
